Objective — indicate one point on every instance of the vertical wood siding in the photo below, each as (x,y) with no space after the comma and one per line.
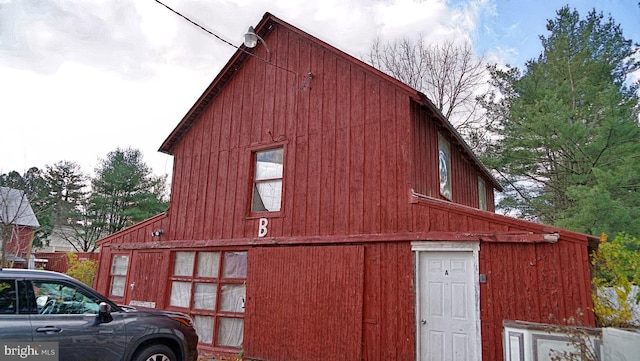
(389,300)
(331,303)
(535,282)
(149,272)
(355,145)
(304,303)
(345,151)
(425,176)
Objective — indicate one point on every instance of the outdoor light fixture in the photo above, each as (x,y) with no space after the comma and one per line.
(157,233)
(251,39)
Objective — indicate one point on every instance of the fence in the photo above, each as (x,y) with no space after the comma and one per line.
(59,262)
(528,341)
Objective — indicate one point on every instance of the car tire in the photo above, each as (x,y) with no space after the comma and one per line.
(155,353)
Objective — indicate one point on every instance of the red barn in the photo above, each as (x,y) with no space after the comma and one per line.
(322,210)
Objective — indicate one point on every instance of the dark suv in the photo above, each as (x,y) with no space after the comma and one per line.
(43,306)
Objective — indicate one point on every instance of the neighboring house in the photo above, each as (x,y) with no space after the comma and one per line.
(58,240)
(322,210)
(17,226)
(53,255)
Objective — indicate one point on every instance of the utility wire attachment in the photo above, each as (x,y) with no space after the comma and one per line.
(225,41)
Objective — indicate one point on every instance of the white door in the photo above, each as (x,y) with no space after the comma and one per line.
(447,306)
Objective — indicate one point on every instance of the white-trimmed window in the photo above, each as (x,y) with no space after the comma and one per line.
(267,180)
(211,286)
(118,275)
(444,166)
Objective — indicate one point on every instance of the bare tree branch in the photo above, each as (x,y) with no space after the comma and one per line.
(449,74)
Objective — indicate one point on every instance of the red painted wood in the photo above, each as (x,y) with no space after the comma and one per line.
(530,282)
(310,300)
(147,286)
(357,145)
(102,273)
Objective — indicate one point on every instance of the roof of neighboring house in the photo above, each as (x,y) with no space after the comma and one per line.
(243,53)
(16,209)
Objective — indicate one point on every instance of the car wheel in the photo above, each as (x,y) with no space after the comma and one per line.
(155,353)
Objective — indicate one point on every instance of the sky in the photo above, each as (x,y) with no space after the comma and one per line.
(80,78)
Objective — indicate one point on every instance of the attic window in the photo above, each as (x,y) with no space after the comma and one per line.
(482,194)
(444,166)
(267,180)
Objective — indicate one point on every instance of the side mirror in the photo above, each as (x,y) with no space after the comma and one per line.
(104,312)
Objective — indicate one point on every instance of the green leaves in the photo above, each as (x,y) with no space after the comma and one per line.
(69,207)
(567,135)
(124,192)
(617,269)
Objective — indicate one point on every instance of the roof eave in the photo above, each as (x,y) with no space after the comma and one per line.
(452,130)
(227,72)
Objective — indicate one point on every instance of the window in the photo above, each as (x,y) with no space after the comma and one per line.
(8,301)
(211,285)
(482,194)
(444,166)
(119,266)
(267,181)
(60,298)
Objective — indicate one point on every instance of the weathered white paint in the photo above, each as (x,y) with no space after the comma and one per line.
(447,301)
(146,304)
(262,227)
(620,345)
(530,341)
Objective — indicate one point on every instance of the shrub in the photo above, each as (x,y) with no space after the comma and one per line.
(82,270)
(616,270)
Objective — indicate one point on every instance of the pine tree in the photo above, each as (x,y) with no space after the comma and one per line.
(67,190)
(124,192)
(568,140)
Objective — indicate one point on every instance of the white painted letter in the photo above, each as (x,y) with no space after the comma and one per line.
(262,227)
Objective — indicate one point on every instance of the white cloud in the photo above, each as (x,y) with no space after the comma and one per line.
(82,77)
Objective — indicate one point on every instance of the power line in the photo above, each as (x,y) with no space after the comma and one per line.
(223,40)
(196,24)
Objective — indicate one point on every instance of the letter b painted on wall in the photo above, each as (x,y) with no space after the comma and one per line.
(262,227)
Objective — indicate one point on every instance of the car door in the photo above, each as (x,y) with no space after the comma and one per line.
(14,316)
(68,314)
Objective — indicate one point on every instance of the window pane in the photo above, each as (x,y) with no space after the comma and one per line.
(267,188)
(117,286)
(180,294)
(482,192)
(269,164)
(205,296)
(267,196)
(58,298)
(235,265)
(444,164)
(7,297)
(119,265)
(232,298)
(208,264)
(204,328)
(183,264)
(230,332)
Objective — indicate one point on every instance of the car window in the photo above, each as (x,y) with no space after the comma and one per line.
(61,298)
(8,300)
